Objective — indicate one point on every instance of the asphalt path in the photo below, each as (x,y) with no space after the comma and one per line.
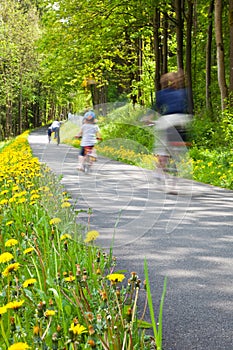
(186,237)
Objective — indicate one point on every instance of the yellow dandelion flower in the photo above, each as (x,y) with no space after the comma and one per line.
(3,310)
(29,282)
(55,221)
(11,242)
(65,236)
(77,329)
(9,223)
(14,305)
(28,250)
(19,346)
(65,205)
(34,196)
(116,277)
(4,192)
(5,257)
(91,236)
(10,268)
(48,313)
(22,200)
(69,279)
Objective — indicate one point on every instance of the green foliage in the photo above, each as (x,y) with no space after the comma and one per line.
(125,123)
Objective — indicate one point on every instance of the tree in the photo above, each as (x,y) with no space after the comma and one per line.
(220,52)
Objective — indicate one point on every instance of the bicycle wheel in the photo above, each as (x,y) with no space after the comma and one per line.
(87,164)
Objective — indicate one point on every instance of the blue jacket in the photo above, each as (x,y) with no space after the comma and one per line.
(170,101)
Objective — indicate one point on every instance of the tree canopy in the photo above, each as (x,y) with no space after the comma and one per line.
(60,56)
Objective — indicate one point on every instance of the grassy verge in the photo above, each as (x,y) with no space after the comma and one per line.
(58,290)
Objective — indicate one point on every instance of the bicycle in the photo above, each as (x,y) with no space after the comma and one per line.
(174,162)
(89,158)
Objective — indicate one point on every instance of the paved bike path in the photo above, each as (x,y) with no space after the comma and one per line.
(187,237)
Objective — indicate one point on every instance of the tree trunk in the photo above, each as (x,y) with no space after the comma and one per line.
(156,25)
(179,32)
(189,54)
(165,45)
(208,55)
(220,52)
(231,48)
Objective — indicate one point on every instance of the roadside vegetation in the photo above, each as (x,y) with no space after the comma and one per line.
(125,138)
(58,289)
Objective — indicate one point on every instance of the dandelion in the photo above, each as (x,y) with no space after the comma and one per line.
(49,313)
(10,268)
(65,205)
(91,236)
(11,242)
(3,310)
(116,277)
(55,221)
(65,236)
(28,250)
(19,346)
(36,330)
(29,282)
(5,257)
(69,279)
(22,200)
(14,305)
(77,329)
(34,196)
(9,223)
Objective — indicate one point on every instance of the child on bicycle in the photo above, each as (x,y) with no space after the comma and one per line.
(89,133)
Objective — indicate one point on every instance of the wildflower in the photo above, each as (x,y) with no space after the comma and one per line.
(10,268)
(116,277)
(69,279)
(29,282)
(49,313)
(3,201)
(91,236)
(3,310)
(65,236)
(11,242)
(36,330)
(5,257)
(65,205)
(19,346)
(77,329)
(55,221)
(28,250)
(9,223)
(22,200)
(14,305)
(34,196)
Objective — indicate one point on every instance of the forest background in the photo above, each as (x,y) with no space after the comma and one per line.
(58,57)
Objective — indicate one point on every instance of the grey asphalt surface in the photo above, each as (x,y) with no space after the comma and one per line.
(187,237)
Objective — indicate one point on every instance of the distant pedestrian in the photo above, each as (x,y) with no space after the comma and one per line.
(56,128)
